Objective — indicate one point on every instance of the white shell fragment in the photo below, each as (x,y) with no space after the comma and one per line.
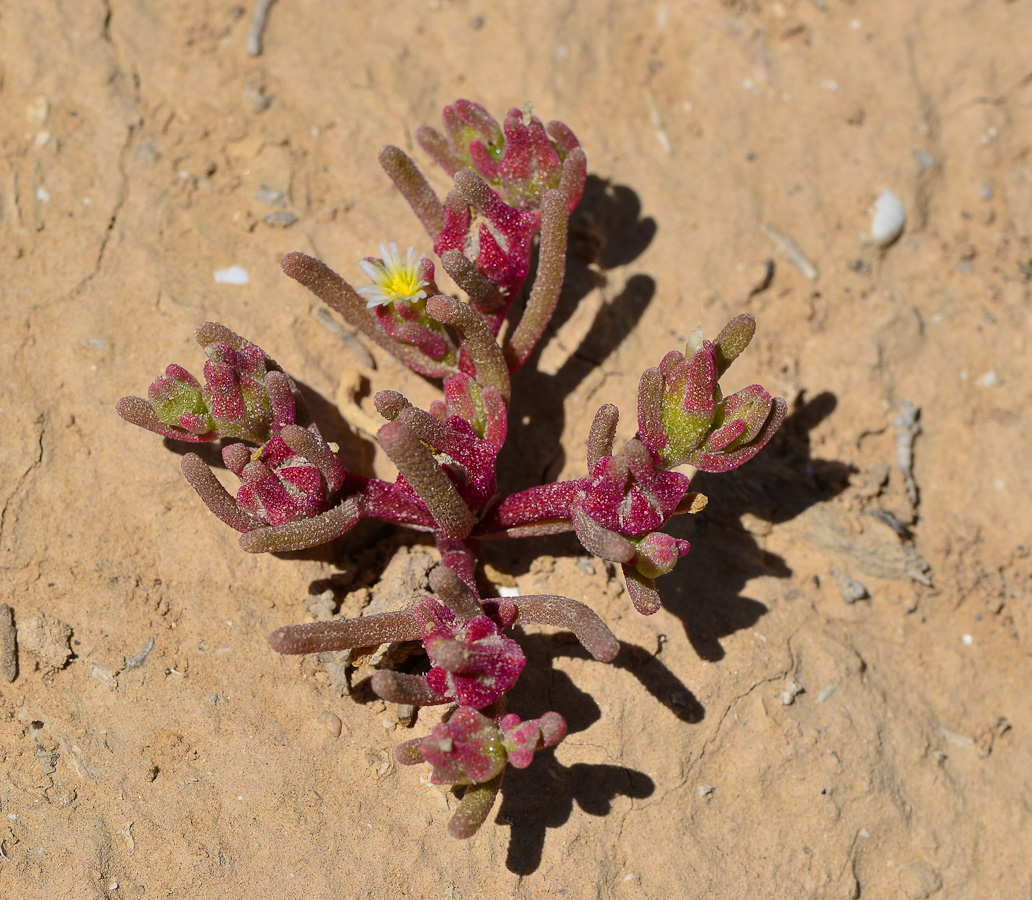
(232,275)
(887,219)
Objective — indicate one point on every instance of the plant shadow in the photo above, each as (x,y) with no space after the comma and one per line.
(544,795)
(784,480)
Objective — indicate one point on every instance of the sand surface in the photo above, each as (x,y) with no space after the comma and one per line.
(760,736)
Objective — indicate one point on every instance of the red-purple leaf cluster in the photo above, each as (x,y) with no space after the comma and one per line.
(514,184)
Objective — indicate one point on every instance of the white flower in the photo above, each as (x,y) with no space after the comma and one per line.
(393,280)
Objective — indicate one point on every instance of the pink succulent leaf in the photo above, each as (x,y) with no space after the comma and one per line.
(734,337)
(466,749)
(564,138)
(482,160)
(741,415)
(301,534)
(720,438)
(246,396)
(683,416)
(236,456)
(658,553)
(602,434)
(630,494)
(502,612)
(498,236)
(468,122)
(582,620)
(400,687)
(484,295)
(216,497)
(574,177)
(506,267)
(519,160)
(414,188)
(482,407)
(235,390)
(495,239)
(548,281)
(409,753)
(474,809)
(265,497)
(515,164)
(523,739)
(308,444)
(177,401)
(642,591)
(436,621)
(439,409)
(466,459)
(542,509)
(462,398)
(280,484)
(553,728)
(458,596)
(605,492)
(725,460)
(307,489)
(472,661)
(481,355)
(430,341)
(599,540)
(195,423)
(423,478)
(650,410)
(687,405)
(345,634)
(700,398)
(456,225)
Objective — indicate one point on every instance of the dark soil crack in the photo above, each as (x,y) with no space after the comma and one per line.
(35,464)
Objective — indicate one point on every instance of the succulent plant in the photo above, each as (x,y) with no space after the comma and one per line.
(515,184)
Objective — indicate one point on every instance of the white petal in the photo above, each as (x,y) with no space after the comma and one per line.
(372,270)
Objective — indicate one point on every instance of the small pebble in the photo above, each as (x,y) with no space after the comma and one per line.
(282,219)
(850,589)
(887,219)
(232,275)
(47,639)
(791,691)
(328,722)
(706,790)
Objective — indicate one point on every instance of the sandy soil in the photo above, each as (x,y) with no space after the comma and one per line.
(143,149)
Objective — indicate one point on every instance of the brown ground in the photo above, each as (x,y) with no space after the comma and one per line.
(141,146)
